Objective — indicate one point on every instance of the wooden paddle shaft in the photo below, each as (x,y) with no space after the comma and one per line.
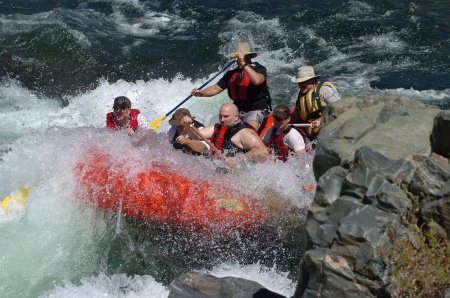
(197,131)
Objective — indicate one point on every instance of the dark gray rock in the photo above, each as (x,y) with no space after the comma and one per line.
(431,175)
(199,285)
(440,138)
(377,121)
(374,153)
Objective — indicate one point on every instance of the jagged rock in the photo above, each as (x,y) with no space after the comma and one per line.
(377,121)
(430,177)
(438,211)
(374,153)
(440,138)
(199,285)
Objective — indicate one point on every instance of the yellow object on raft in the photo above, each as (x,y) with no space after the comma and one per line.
(15,199)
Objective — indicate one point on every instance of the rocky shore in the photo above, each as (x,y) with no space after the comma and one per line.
(383,172)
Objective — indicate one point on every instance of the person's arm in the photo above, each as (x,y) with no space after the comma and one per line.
(142,122)
(316,123)
(194,145)
(329,94)
(255,77)
(208,92)
(249,140)
(295,141)
(252,142)
(207,132)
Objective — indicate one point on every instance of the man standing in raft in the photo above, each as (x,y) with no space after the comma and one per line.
(124,117)
(283,139)
(311,100)
(236,141)
(247,86)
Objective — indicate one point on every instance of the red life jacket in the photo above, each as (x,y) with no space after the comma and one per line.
(133,123)
(221,138)
(280,150)
(239,83)
(239,86)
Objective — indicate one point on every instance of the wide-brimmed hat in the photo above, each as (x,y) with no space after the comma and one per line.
(178,115)
(121,103)
(244,48)
(281,112)
(304,74)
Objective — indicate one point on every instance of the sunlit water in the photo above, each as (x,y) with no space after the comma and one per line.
(71,61)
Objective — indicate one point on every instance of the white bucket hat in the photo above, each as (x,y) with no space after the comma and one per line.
(304,74)
(244,48)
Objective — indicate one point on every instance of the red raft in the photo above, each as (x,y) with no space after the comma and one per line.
(158,194)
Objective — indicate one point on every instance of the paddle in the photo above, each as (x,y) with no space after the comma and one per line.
(156,123)
(16,198)
(197,131)
(302,125)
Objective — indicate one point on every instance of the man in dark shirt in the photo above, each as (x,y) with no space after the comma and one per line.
(246,85)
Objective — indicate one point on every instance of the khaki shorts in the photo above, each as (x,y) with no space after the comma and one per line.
(257,115)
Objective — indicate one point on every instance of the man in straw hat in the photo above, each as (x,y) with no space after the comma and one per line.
(312,98)
(246,85)
(179,136)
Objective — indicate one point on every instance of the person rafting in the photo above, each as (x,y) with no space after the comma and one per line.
(178,135)
(283,139)
(124,117)
(236,141)
(247,86)
(311,100)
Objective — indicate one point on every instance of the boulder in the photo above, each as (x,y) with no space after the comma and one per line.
(379,122)
(375,154)
(200,285)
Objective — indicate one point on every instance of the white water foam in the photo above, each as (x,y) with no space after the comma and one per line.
(117,285)
(269,278)
(54,240)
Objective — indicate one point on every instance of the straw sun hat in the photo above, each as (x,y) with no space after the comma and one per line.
(244,48)
(304,74)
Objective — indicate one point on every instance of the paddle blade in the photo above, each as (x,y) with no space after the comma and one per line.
(15,201)
(156,123)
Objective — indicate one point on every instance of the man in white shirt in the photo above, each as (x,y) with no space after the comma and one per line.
(283,139)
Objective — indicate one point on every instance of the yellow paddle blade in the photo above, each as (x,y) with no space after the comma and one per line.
(16,199)
(156,123)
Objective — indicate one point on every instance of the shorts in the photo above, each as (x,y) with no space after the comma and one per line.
(257,115)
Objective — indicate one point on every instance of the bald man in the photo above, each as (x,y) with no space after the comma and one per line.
(236,140)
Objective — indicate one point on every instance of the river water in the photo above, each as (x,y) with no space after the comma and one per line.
(63,62)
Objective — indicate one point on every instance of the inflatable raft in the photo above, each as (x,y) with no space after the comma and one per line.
(159,194)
